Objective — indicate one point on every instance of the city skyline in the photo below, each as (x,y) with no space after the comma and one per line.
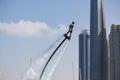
(17,48)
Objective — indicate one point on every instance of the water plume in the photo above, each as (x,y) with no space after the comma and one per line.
(35,69)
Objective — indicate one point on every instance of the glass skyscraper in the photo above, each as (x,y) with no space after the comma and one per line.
(98,42)
(84,55)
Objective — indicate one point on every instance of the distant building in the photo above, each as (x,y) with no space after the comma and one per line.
(108,60)
(84,55)
(1,76)
(114,42)
(98,42)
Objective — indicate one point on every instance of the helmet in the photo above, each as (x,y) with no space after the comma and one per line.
(73,22)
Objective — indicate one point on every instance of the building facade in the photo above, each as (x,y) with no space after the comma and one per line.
(84,55)
(108,59)
(1,76)
(114,42)
(98,42)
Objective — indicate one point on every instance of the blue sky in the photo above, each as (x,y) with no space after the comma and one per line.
(43,21)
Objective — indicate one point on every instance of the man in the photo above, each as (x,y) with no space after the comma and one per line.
(70,30)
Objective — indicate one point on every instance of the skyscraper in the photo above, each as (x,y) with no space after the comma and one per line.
(84,55)
(114,40)
(98,42)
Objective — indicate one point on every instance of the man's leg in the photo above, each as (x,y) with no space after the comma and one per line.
(70,32)
(67,33)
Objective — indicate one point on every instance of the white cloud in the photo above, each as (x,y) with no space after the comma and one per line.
(28,28)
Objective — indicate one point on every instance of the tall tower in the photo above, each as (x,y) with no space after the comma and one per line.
(98,42)
(84,55)
(114,40)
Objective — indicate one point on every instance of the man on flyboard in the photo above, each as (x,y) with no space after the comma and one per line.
(69,33)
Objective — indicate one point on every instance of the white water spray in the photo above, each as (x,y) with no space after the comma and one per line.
(49,72)
(35,69)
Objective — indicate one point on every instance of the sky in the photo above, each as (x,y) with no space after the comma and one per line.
(29,27)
